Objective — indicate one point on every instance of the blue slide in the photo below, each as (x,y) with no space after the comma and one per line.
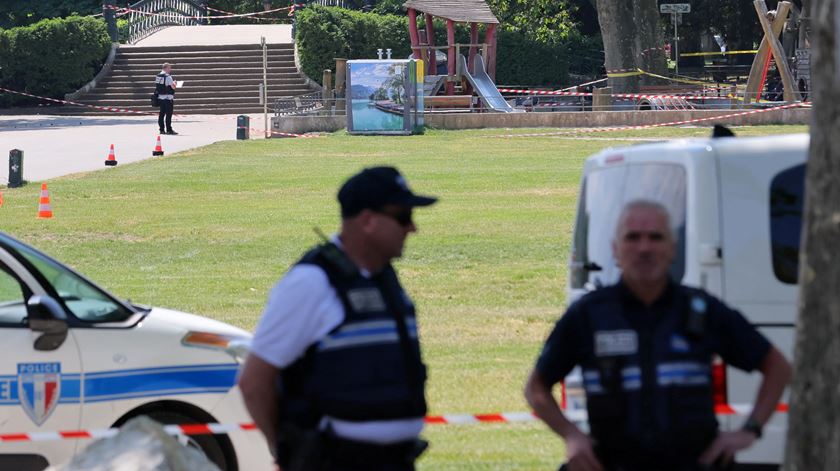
(484,86)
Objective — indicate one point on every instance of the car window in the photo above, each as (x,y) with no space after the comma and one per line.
(787,198)
(603,194)
(86,301)
(12,300)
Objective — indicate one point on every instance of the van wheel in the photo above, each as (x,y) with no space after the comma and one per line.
(208,445)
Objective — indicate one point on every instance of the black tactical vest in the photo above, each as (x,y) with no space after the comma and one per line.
(367,368)
(648,386)
(160,85)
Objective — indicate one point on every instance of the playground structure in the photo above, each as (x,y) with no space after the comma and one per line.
(460,78)
(470,71)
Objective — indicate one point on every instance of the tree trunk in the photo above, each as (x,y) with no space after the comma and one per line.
(632,37)
(813,442)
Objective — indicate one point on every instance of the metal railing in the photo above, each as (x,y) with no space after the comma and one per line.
(149,16)
(299,105)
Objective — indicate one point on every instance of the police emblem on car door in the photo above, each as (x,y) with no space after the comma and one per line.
(39,389)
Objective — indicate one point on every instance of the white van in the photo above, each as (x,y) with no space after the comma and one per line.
(736,206)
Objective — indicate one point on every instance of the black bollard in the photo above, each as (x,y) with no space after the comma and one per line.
(15,168)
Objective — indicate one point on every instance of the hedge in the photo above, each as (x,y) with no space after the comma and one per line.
(324,33)
(51,57)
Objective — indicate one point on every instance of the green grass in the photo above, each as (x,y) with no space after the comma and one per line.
(211,230)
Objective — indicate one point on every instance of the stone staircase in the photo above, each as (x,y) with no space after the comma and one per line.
(219,79)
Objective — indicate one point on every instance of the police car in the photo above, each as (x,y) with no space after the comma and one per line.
(78,358)
(736,207)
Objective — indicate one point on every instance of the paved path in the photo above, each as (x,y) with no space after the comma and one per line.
(218,35)
(61,145)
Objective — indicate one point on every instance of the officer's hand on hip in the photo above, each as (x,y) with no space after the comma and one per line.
(726,445)
(580,453)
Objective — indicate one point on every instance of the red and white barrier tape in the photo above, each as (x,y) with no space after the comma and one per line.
(209,17)
(216,428)
(183,429)
(658,125)
(66,102)
(232,13)
(616,95)
(278,133)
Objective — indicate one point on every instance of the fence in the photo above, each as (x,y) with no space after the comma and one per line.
(149,16)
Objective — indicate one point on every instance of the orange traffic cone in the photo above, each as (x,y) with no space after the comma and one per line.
(158,149)
(112,159)
(1,198)
(44,207)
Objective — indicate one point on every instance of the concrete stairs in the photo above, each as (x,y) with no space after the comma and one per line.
(219,79)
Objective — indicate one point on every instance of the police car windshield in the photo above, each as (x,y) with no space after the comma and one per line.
(85,300)
(603,194)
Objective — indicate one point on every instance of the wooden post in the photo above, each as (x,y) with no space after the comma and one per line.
(791,92)
(450,59)
(326,93)
(340,85)
(490,38)
(602,99)
(413,33)
(430,40)
(755,82)
(473,42)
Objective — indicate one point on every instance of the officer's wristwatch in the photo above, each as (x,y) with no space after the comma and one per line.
(752,425)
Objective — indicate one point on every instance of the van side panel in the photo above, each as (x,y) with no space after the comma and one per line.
(750,283)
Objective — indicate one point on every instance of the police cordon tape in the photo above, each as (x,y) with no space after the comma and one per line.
(657,125)
(150,113)
(208,17)
(66,102)
(615,95)
(448,419)
(278,133)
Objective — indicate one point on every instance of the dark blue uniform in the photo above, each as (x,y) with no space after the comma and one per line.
(647,370)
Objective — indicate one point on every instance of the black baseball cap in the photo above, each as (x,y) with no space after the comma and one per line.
(375,187)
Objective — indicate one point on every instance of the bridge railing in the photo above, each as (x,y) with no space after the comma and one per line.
(149,16)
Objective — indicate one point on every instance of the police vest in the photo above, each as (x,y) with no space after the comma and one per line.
(160,85)
(367,368)
(648,387)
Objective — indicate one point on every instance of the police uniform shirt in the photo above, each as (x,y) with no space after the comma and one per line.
(731,336)
(302,309)
(167,81)
(575,340)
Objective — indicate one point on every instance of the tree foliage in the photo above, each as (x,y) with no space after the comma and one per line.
(326,33)
(32,61)
(26,12)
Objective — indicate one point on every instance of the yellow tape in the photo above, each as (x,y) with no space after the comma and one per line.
(626,74)
(701,54)
(678,80)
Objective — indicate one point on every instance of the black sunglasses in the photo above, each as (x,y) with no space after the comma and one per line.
(403,218)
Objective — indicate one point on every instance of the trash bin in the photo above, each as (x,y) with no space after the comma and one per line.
(15,168)
(243,124)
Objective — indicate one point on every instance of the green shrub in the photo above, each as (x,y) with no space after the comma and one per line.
(324,33)
(52,57)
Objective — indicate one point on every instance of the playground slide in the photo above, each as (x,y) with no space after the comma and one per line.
(484,86)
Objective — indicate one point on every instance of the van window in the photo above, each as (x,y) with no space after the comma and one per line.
(603,194)
(787,198)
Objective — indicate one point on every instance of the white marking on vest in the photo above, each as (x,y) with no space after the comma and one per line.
(616,342)
(366,300)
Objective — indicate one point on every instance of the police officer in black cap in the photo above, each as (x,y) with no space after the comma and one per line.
(645,347)
(335,379)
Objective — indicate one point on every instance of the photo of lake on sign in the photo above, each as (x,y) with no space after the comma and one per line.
(378,96)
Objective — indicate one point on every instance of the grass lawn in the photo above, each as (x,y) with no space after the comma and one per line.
(209,231)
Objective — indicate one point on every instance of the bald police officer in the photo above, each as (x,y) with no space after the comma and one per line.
(645,348)
(340,334)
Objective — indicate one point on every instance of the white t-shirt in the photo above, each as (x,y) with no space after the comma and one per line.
(303,308)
